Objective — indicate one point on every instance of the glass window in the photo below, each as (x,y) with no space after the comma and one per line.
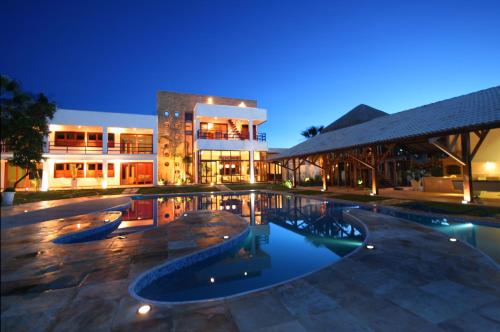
(205,155)
(80,136)
(188,116)
(245,155)
(215,155)
(91,167)
(60,136)
(59,167)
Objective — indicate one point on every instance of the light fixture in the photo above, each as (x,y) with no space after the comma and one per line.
(452,239)
(106,220)
(185,214)
(212,280)
(465,202)
(78,226)
(121,237)
(79,127)
(242,104)
(372,194)
(144,309)
(210,100)
(370,246)
(226,237)
(245,273)
(25,211)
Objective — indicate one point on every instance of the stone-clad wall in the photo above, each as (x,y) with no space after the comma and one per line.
(172,164)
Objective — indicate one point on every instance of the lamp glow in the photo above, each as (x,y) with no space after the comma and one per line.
(370,246)
(452,239)
(144,309)
(212,280)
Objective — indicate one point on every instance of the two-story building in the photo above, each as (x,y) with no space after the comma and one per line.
(192,139)
(208,139)
(87,149)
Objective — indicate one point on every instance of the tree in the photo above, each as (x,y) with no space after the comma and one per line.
(24,125)
(312,131)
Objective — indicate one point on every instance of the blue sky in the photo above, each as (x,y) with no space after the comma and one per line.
(306,62)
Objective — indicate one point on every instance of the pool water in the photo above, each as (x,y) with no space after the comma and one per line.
(289,237)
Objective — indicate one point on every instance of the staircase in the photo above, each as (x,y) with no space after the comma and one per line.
(234,129)
(385,182)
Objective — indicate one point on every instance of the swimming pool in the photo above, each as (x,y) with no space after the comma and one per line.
(288,238)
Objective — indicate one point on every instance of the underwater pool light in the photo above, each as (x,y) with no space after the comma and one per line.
(185,214)
(370,246)
(452,239)
(212,280)
(226,237)
(245,273)
(144,309)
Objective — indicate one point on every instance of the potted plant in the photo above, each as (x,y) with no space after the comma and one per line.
(8,195)
(74,175)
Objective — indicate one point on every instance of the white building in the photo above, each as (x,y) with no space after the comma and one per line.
(93,149)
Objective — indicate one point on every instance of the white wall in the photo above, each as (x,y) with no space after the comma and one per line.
(258,115)
(104,119)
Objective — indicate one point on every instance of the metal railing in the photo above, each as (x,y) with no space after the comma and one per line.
(219,135)
(116,148)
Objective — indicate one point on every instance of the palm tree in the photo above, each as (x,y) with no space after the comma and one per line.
(312,131)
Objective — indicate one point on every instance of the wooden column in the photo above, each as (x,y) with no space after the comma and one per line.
(294,178)
(466,168)
(324,164)
(374,172)
(355,171)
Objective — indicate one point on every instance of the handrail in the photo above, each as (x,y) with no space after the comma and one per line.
(219,135)
(93,148)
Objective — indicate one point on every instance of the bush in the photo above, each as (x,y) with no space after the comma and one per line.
(287,184)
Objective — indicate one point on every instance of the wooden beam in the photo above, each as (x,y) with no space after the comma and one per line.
(386,153)
(360,161)
(374,172)
(482,136)
(466,168)
(434,142)
(325,167)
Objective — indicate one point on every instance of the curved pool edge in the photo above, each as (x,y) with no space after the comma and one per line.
(78,237)
(134,293)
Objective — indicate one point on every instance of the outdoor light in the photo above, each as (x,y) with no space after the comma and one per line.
(465,202)
(185,214)
(370,246)
(78,226)
(61,219)
(144,309)
(226,237)
(121,237)
(452,239)
(245,273)
(106,220)
(104,184)
(372,194)
(25,211)
(212,280)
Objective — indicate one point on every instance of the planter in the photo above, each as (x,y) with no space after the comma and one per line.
(8,197)
(74,183)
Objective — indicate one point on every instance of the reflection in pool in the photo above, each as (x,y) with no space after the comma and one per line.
(289,237)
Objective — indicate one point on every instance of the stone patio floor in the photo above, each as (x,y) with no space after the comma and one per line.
(414,280)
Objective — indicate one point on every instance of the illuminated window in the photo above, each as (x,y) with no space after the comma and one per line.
(166,113)
(176,114)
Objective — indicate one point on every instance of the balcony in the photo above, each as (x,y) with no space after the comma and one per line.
(116,148)
(225,136)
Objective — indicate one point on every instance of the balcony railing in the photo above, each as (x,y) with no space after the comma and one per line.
(116,148)
(219,135)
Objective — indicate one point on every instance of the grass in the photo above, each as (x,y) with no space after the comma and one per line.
(22,197)
(451,208)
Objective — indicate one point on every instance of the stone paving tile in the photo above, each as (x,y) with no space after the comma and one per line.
(425,305)
(470,322)
(217,318)
(301,298)
(455,293)
(291,326)
(413,280)
(86,315)
(258,311)
(334,320)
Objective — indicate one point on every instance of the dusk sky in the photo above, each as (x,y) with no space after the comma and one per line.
(306,63)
